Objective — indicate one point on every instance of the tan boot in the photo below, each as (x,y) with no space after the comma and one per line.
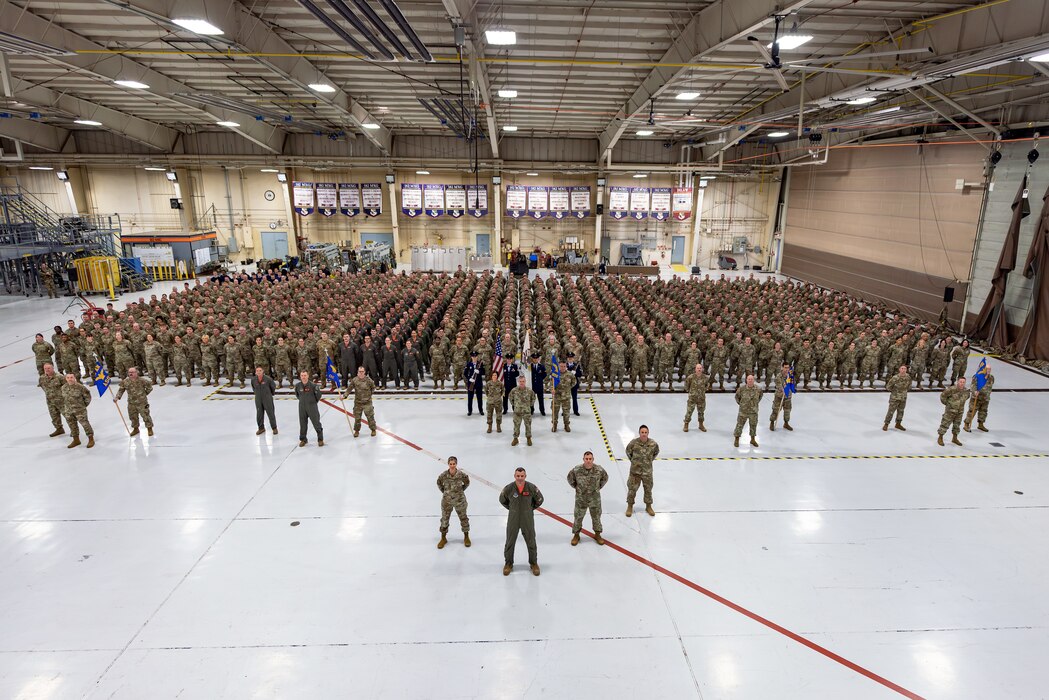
(91,441)
(899,426)
(498,427)
(956,441)
(885,427)
(553,429)
(702,428)
(374,433)
(74,443)
(58,431)
(320,443)
(598,538)
(134,432)
(515,442)
(507,569)
(260,431)
(648,509)
(274,431)
(568,428)
(787,426)
(444,541)
(489,427)
(772,426)
(754,442)
(149,432)
(466,539)
(529,442)
(967,428)
(575,539)
(735,443)
(535,569)
(685,428)
(939,440)
(980,426)
(629,509)
(302,443)
(356,433)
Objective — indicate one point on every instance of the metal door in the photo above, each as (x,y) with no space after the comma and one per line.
(606,248)
(274,245)
(677,250)
(484,244)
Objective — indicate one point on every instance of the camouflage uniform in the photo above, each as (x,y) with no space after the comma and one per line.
(953,400)
(561,399)
(587,484)
(154,361)
(522,399)
(745,358)
(460,355)
(718,358)
(638,365)
(780,400)
(641,453)
(362,388)
(978,403)
(804,365)
(748,398)
(75,400)
(180,361)
(938,360)
(282,363)
(898,386)
(493,395)
(664,368)
(617,364)
(209,362)
(960,363)
(869,366)
(439,365)
(42,351)
(596,368)
(137,401)
(453,495)
(697,386)
(52,387)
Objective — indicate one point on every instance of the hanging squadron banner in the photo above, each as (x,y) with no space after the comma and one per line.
(411,199)
(454,200)
(302,197)
(516,201)
(371,198)
(618,202)
(580,201)
(327,198)
(477,200)
(538,206)
(660,205)
(681,206)
(433,200)
(639,202)
(349,198)
(559,202)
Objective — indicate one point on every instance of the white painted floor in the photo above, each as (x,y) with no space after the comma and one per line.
(867,565)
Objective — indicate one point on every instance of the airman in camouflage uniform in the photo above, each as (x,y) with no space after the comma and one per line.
(587,479)
(828,365)
(561,396)
(493,396)
(638,363)
(522,399)
(978,403)
(362,387)
(919,359)
(452,484)
(664,369)
(696,384)
(209,361)
(847,368)
(282,362)
(898,386)
(805,363)
(596,367)
(718,358)
(938,361)
(641,451)
(953,399)
(52,383)
(869,364)
(154,360)
(75,400)
(781,400)
(42,351)
(460,356)
(617,362)
(180,361)
(959,361)
(746,356)
(137,389)
(439,365)
(748,396)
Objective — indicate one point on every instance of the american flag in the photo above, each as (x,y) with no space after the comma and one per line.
(497,363)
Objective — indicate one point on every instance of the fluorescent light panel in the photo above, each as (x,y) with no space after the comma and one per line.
(509,94)
(640,175)
(422,172)
(861,100)
(686,96)
(501,37)
(509,127)
(133,84)
(1043,58)
(644,132)
(156,170)
(40,167)
(198,26)
(778,134)
(532,174)
(87,122)
(322,87)
(370,125)
(228,125)
(791,41)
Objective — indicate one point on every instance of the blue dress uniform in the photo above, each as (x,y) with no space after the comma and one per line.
(538,377)
(473,375)
(510,374)
(575,368)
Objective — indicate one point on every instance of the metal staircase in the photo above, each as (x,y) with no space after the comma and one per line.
(29,228)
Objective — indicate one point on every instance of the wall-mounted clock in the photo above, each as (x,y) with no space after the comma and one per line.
(273,225)
(268,194)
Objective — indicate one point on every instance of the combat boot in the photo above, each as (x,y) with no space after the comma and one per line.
(507,569)
(356,433)
(629,509)
(134,432)
(980,426)
(772,425)
(787,426)
(529,442)
(58,431)
(575,539)
(899,426)
(74,443)
(260,431)
(274,431)
(735,443)
(515,442)
(466,539)
(241,383)
(553,428)
(568,428)
(489,427)
(149,432)
(302,443)
(685,429)
(885,427)
(598,538)
(498,427)
(939,440)
(444,541)
(320,443)
(702,428)
(956,441)
(374,433)
(535,569)
(91,441)
(967,427)
(754,442)
(648,509)
(179,383)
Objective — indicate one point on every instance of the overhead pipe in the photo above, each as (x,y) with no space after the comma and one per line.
(391,7)
(384,29)
(334,26)
(347,14)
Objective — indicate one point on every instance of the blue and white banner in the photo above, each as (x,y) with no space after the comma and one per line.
(411,199)
(455,200)
(327,198)
(349,198)
(371,198)
(660,206)
(619,202)
(477,200)
(516,201)
(538,206)
(682,205)
(559,202)
(433,200)
(302,197)
(580,201)
(639,202)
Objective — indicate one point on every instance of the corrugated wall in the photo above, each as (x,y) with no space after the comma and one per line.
(887,223)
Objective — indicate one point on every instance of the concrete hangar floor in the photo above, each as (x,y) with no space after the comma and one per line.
(836,561)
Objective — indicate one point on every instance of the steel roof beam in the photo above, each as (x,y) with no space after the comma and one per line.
(45,136)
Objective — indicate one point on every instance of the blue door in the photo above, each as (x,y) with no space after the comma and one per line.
(274,245)
(677,250)
(484,244)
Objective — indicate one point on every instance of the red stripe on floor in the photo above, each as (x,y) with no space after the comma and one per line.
(695,586)
(10,364)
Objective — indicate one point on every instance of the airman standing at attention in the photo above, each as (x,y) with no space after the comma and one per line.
(981,397)
(42,351)
(493,393)
(362,387)
(953,399)
(137,389)
(748,396)
(784,398)
(520,498)
(522,399)
(898,386)
(561,396)
(696,384)
(452,484)
(587,479)
(641,451)
(52,382)
(75,400)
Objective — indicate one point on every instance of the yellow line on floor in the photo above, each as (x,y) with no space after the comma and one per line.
(601,429)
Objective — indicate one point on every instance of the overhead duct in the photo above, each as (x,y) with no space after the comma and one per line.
(347,14)
(383,28)
(13,44)
(334,26)
(395,12)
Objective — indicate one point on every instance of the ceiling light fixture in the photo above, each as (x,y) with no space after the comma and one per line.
(133,84)
(155,170)
(708,177)
(640,175)
(778,134)
(1043,58)
(198,26)
(686,96)
(228,125)
(269,170)
(887,110)
(322,87)
(509,127)
(532,174)
(508,94)
(644,132)
(369,125)
(87,122)
(861,100)
(40,167)
(501,37)
(422,172)
(792,39)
